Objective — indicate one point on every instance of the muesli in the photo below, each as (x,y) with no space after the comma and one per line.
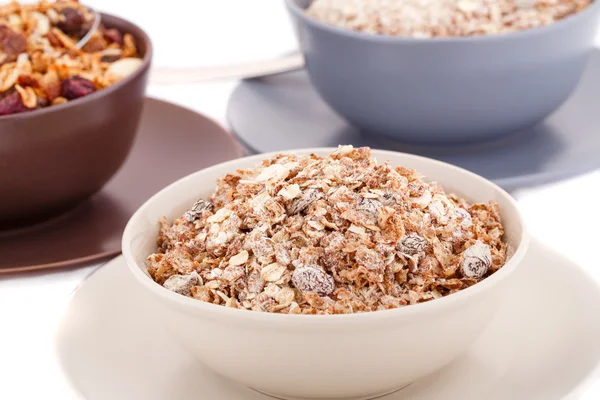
(41,64)
(443,18)
(327,235)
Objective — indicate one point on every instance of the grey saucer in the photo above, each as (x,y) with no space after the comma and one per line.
(284,112)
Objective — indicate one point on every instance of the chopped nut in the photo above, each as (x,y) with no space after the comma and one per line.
(290,192)
(12,104)
(42,23)
(59,100)
(28,96)
(182,284)
(273,172)
(123,67)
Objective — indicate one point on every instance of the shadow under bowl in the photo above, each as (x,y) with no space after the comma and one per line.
(54,158)
(445,90)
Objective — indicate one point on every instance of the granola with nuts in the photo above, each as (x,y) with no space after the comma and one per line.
(40,63)
(442,18)
(327,235)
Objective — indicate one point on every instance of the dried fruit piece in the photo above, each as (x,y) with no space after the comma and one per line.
(197,209)
(76,87)
(12,104)
(308,197)
(476,260)
(11,43)
(311,278)
(412,244)
(113,36)
(70,21)
(368,206)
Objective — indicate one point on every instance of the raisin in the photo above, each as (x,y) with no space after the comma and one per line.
(76,87)
(12,104)
(71,21)
(113,36)
(197,210)
(12,43)
(310,278)
(477,260)
(412,244)
(307,198)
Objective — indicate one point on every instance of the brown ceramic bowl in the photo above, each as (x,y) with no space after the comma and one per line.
(54,158)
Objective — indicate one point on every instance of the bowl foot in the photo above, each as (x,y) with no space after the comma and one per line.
(368,397)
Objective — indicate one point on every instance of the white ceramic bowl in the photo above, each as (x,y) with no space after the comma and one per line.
(325,356)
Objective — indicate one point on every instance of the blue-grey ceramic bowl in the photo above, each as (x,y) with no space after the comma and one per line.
(445,90)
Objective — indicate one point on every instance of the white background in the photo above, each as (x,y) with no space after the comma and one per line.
(200,32)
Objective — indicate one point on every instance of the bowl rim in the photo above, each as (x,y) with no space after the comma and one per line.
(300,13)
(146,60)
(410,311)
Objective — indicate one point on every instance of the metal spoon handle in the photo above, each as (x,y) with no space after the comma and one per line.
(174,76)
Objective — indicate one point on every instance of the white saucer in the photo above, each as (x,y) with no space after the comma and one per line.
(543,344)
